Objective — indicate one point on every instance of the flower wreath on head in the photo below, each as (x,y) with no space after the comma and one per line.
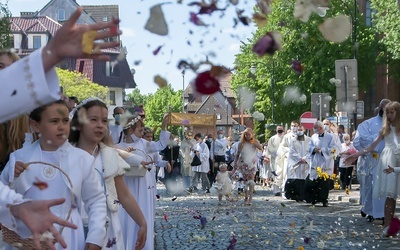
(132,122)
(84,102)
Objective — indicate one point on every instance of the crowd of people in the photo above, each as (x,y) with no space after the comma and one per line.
(92,185)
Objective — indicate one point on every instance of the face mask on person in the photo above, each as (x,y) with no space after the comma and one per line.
(293,129)
(280,131)
(380,112)
(220,136)
(315,131)
(209,139)
(326,128)
(117,118)
(300,133)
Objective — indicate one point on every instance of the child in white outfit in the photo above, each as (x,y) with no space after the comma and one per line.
(223,182)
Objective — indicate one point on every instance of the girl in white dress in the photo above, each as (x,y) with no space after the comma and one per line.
(141,187)
(90,133)
(223,182)
(387,185)
(51,122)
(246,161)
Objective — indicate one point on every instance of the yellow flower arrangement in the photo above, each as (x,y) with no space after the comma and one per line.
(333,153)
(335,179)
(375,155)
(322,175)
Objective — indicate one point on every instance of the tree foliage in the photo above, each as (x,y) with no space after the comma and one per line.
(303,42)
(162,101)
(5,25)
(386,20)
(136,97)
(75,84)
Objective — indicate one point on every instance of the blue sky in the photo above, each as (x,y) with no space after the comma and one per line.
(219,40)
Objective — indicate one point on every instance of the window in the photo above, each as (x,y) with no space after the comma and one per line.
(112,69)
(369,14)
(12,45)
(61,14)
(112,97)
(81,66)
(105,18)
(37,42)
(218,116)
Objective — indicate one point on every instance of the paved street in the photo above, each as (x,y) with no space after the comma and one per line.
(270,223)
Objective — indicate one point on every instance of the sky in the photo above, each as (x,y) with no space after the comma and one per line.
(219,40)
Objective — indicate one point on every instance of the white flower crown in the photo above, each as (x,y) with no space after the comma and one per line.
(133,121)
(84,102)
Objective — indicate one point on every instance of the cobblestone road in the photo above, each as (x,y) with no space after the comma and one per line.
(270,223)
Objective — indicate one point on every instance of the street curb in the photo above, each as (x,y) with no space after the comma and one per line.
(346,198)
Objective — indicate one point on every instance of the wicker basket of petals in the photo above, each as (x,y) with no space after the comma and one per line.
(12,238)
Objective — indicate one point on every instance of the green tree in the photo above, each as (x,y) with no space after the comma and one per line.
(386,20)
(136,97)
(163,101)
(75,84)
(5,24)
(303,42)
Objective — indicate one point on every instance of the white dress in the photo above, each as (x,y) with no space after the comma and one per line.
(223,183)
(108,165)
(387,185)
(144,191)
(247,162)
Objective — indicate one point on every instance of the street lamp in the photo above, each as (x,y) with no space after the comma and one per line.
(183,90)
(253,71)
(225,93)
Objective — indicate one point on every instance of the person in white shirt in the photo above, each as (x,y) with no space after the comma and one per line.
(35,83)
(217,153)
(115,127)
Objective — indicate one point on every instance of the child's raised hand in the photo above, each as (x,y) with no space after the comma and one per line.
(67,42)
(19,168)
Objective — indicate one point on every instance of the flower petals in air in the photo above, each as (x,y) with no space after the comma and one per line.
(206,8)
(40,184)
(196,20)
(268,44)
(394,227)
(156,51)
(243,19)
(336,29)
(297,67)
(161,82)
(156,23)
(185,122)
(205,83)
(259,19)
(165,217)
(265,6)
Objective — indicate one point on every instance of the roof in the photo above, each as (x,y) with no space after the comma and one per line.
(41,24)
(97,12)
(87,68)
(212,106)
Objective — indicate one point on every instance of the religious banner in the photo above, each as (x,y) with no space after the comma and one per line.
(194,120)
